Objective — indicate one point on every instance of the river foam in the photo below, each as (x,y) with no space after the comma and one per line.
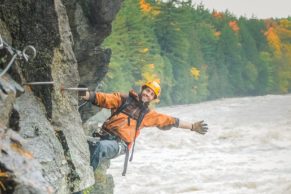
(247,150)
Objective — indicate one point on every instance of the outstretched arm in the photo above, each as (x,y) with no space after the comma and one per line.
(166,122)
(199,127)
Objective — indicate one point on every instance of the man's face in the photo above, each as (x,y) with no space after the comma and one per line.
(147,95)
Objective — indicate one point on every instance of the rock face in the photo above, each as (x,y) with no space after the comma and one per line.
(67,36)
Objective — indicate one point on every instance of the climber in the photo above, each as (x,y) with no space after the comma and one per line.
(129,114)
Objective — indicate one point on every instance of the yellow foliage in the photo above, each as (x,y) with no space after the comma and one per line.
(217,34)
(285,23)
(284,30)
(144,6)
(274,41)
(195,72)
(145,50)
(148,74)
(156,12)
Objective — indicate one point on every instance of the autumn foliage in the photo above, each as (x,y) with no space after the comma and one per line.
(217,14)
(234,26)
(274,40)
(144,6)
(195,72)
(243,56)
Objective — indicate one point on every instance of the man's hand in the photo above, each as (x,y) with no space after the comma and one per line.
(200,127)
(85,96)
(82,93)
(89,96)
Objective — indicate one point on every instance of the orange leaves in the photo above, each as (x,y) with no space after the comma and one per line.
(278,35)
(195,72)
(147,8)
(144,6)
(274,41)
(152,66)
(217,14)
(234,26)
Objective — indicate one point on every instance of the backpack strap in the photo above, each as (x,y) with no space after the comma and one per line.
(127,101)
(143,112)
(125,162)
(138,123)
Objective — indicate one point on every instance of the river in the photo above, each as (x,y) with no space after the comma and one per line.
(247,150)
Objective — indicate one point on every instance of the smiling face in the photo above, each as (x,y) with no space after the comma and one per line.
(147,95)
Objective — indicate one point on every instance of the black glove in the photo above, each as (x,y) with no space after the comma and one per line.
(82,92)
(89,96)
(200,127)
(92,97)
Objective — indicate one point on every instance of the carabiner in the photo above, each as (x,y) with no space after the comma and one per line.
(25,55)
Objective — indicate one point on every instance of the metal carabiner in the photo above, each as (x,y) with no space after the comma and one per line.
(25,55)
(16,53)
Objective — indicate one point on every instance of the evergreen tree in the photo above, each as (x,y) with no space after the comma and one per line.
(197,54)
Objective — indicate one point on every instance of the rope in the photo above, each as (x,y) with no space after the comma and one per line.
(22,55)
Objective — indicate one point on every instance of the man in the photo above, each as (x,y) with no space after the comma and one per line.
(130,113)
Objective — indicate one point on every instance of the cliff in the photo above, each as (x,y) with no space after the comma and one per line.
(43,143)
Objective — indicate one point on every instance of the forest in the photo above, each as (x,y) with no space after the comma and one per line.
(197,54)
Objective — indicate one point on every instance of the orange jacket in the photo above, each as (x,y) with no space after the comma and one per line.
(118,124)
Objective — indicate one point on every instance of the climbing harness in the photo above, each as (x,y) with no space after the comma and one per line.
(121,109)
(22,55)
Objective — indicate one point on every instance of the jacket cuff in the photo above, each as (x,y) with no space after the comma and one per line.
(176,124)
(92,97)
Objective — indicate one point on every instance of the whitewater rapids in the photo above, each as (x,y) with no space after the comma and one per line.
(246,150)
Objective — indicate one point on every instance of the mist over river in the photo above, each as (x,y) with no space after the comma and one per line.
(247,150)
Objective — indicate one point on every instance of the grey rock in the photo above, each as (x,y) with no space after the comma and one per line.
(41,140)
(67,36)
(104,11)
(20,165)
(104,183)
(65,116)
(8,91)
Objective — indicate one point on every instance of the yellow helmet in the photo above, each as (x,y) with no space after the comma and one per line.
(154,86)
